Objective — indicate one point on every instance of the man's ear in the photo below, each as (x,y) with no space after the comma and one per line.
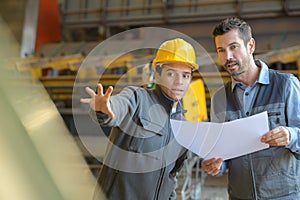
(251,45)
(156,75)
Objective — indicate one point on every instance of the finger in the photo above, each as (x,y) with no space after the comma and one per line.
(109,91)
(269,135)
(90,91)
(213,161)
(111,114)
(212,166)
(279,140)
(219,161)
(282,139)
(208,162)
(275,135)
(214,172)
(99,89)
(85,100)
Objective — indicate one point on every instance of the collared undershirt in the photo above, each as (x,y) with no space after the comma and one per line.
(174,107)
(246,95)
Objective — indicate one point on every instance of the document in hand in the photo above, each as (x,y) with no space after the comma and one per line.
(222,140)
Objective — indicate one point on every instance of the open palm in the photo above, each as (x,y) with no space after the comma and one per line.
(99,101)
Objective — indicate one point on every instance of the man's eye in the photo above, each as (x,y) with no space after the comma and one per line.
(171,74)
(234,46)
(221,50)
(186,76)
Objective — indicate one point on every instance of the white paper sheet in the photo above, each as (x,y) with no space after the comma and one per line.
(222,140)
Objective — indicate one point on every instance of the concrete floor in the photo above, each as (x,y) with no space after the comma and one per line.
(214,188)
(194,184)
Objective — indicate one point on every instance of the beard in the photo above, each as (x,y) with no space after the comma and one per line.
(238,72)
(239,68)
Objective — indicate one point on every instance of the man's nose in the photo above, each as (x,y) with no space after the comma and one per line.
(178,79)
(229,55)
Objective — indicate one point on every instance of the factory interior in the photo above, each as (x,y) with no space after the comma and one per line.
(50,147)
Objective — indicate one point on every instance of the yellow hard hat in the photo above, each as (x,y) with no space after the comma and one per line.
(176,50)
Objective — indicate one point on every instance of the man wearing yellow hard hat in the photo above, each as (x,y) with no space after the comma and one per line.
(143,158)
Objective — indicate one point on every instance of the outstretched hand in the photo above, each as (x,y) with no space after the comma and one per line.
(99,101)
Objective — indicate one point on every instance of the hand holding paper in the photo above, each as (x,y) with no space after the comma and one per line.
(222,140)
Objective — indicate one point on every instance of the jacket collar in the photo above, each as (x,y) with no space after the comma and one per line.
(167,102)
(263,77)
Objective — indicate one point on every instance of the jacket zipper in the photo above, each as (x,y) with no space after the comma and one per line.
(160,180)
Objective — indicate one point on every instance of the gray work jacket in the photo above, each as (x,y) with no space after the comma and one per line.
(273,173)
(143,157)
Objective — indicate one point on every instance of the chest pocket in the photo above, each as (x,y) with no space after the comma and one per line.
(152,126)
(276,118)
(148,137)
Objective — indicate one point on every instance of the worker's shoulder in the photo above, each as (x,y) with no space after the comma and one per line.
(136,91)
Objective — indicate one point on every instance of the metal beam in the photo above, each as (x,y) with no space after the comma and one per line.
(30,28)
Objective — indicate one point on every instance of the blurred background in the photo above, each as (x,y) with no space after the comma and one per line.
(44,42)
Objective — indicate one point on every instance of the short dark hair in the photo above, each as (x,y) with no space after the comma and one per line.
(226,25)
(159,68)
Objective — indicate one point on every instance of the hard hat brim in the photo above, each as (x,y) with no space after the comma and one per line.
(192,65)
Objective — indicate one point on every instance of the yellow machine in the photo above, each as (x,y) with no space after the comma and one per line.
(194,102)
